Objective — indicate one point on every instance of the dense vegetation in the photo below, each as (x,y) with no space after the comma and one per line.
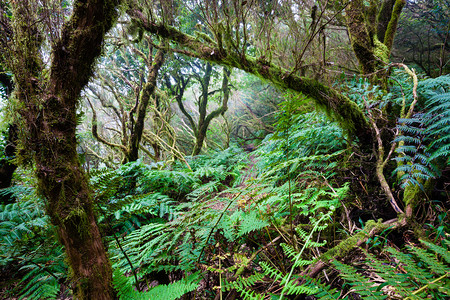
(224,150)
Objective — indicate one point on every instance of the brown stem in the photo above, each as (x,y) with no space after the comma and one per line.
(381,162)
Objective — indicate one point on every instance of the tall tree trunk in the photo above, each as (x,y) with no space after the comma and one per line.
(205,120)
(144,99)
(48,110)
(199,139)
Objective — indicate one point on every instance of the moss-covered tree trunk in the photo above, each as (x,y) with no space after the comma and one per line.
(47,101)
(372,30)
(205,118)
(132,153)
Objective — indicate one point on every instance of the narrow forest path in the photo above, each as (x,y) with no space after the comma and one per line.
(249,173)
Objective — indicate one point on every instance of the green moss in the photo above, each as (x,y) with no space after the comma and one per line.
(392,26)
(344,247)
(413,194)
(381,51)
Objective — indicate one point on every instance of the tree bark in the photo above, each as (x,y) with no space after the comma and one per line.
(48,110)
(361,37)
(373,47)
(144,99)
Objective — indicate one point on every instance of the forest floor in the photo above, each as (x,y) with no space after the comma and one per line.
(249,173)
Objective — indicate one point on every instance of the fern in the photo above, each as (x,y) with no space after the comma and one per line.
(250,222)
(249,295)
(23,228)
(290,284)
(310,136)
(414,160)
(420,274)
(425,139)
(43,282)
(439,125)
(20,223)
(125,288)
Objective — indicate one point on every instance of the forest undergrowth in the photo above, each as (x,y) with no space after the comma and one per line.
(294,219)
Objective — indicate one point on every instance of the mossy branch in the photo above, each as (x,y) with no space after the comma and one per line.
(172,148)
(383,18)
(371,229)
(146,151)
(338,106)
(392,26)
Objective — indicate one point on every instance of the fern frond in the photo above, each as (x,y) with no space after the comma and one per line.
(359,283)
(243,282)
(252,221)
(439,125)
(42,282)
(125,288)
(249,295)
(415,275)
(439,250)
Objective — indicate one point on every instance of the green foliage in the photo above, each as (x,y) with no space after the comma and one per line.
(296,167)
(439,125)
(424,142)
(363,92)
(250,229)
(43,277)
(414,159)
(290,284)
(27,238)
(124,203)
(125,288)
(314,144)
(3,143)
(172,232)
(21,222)
(232,159)
(419,274)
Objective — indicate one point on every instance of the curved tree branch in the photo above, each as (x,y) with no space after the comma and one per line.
(95,131)
(342,109)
